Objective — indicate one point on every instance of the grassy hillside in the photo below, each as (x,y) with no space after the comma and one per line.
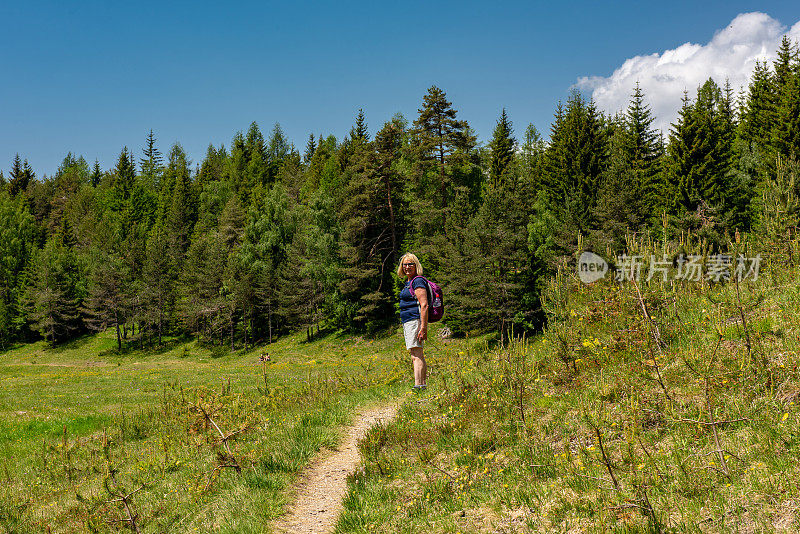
(643,407)
(91,438)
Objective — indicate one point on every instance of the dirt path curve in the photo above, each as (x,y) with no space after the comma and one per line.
(319,493)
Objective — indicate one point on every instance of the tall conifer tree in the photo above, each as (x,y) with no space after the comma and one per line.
(502,147)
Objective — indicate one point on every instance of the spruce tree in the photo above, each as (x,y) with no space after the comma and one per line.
(757,115)
(621,204)
(699,153)
(530,163)
(53,294)
(502,147)
(278,148)
(123,178)
(359,131)
(211,169)
(152,162)
(642,152)
(236,168)
(179,217)
(269,232)
(486,266)
(256,170)
(19,177)
(786,130)
(159,277)
(201,308)
(96,175)
(105,304)
(311,147)
(17,244)
(371,217)
(784,65)
(575,161)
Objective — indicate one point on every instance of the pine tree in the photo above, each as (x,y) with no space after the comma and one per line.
(438,139)
(443,166)
(502,146)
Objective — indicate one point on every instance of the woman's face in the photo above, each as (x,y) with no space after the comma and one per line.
(409,267)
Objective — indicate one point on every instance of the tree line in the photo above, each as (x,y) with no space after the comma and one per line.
(259,239)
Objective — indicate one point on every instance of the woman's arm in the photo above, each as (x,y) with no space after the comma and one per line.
(422,297)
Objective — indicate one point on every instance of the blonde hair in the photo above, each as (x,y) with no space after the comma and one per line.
(401,273)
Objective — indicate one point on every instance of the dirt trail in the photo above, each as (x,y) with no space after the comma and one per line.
(319,493)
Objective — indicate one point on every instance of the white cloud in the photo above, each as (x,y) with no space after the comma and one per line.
(731,54)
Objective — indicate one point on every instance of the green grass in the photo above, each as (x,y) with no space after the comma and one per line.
(82,424)
(507,438)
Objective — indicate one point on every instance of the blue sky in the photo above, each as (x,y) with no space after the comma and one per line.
(93,77)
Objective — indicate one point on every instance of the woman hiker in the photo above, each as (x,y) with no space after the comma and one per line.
(414,315)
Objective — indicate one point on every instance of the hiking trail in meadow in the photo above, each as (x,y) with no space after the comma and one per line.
(319,492)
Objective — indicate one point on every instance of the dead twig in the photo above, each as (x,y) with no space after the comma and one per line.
(606,460)
(125,499)
(656,334)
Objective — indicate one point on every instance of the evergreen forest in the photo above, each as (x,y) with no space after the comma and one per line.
(262,238)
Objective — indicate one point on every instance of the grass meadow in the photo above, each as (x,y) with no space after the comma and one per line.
(180,439)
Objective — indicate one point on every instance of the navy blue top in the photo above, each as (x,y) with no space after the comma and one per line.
(409,307)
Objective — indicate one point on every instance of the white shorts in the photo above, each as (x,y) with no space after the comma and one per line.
(410,332)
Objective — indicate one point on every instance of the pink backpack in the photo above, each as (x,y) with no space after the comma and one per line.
(435,299)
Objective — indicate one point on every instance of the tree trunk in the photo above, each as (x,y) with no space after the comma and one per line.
(231,326)
(269,318)
(119,339)
(391,215)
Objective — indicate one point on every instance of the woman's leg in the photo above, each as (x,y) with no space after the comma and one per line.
(420,366)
